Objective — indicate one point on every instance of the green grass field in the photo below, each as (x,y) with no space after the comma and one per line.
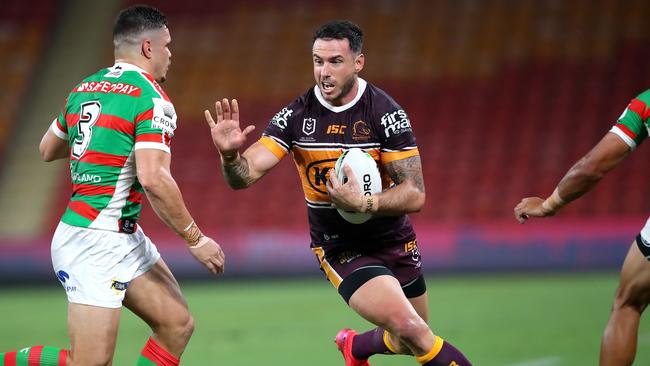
(524,320)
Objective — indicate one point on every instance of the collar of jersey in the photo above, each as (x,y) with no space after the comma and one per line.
(129,67)
(341,108)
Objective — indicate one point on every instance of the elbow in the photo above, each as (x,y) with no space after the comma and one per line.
(46,155)
(149,181)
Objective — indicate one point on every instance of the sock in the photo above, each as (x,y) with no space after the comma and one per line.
(35,356)
(371,343)
(443,354)
(154,355)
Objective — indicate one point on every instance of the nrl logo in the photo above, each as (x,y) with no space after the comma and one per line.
(308,126)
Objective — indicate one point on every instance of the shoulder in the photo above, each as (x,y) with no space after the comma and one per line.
(644,97)
(381,99)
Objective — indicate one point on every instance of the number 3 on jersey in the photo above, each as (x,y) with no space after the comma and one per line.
(88,116)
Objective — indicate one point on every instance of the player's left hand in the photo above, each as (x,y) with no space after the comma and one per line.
(345,196)
(531,207)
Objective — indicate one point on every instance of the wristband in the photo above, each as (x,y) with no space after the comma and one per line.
(370,203)
(192,234)
(201,242)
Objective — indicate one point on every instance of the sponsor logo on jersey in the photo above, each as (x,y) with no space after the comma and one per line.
(317,174)
(164,116)
(395,123)
(336,129)
(308,126)
(85,178)
(360,131)
(281,119)
(412,247)
(107,87)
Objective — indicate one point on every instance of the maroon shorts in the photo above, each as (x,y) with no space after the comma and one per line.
(348,269)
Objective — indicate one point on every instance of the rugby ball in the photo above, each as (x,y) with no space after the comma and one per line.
(367,175)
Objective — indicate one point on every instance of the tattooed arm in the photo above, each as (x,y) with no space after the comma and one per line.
(240,170)
(408,193)
(243,170)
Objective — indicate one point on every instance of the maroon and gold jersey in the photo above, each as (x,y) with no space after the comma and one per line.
(316,133)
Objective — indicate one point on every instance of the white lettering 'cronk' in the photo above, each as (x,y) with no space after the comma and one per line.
(164,116)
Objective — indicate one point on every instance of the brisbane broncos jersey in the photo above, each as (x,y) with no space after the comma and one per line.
(317,133)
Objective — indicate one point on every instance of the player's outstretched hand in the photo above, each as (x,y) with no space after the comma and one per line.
(227,136)
(209,253)
(345,196)
(531,207)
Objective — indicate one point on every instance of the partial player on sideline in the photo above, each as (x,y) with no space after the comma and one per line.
(619,341)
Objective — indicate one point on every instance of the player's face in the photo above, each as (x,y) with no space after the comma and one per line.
(160,54)
(335,69)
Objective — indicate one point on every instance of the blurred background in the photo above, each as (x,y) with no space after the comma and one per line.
(503,95)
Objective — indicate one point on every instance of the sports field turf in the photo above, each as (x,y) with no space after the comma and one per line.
(500,320)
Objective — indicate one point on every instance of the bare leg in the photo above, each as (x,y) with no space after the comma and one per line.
(156,298)
(93,331)
(382,302)
(619,341)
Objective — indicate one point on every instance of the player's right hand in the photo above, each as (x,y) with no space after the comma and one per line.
(227,136)
(531,207)
(210,254)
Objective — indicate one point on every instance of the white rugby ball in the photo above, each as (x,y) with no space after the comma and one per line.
(367,175)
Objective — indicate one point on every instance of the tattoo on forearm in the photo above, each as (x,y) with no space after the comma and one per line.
(236,173)
(405,169)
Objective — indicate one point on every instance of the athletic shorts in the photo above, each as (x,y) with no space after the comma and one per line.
(348,269)
(96,266)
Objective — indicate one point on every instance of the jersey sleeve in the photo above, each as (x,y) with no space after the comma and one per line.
(631,125)
(278,136)
(394,128)
(155,123)
(59,126)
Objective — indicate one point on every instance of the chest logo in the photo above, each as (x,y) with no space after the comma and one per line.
(360,131)
(308,126)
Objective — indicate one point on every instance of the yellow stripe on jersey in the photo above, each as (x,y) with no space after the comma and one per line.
(389,156)
(330,273)
(273,146)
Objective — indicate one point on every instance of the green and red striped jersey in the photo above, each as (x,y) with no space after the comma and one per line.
(632,126)
(106,117)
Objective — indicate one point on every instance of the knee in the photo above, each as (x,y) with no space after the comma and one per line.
(179,329)
(407,327)
(630,298)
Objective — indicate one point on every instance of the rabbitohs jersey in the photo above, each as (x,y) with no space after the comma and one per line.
(106,117)
(632,126)
(316,133)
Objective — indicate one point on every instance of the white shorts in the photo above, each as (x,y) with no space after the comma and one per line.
(96,266)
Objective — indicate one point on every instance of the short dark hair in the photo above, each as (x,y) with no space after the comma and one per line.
(341,29)
(136,19)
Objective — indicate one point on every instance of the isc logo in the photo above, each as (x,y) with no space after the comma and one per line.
(336,129)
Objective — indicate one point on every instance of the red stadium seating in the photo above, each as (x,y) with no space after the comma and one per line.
(503,96)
